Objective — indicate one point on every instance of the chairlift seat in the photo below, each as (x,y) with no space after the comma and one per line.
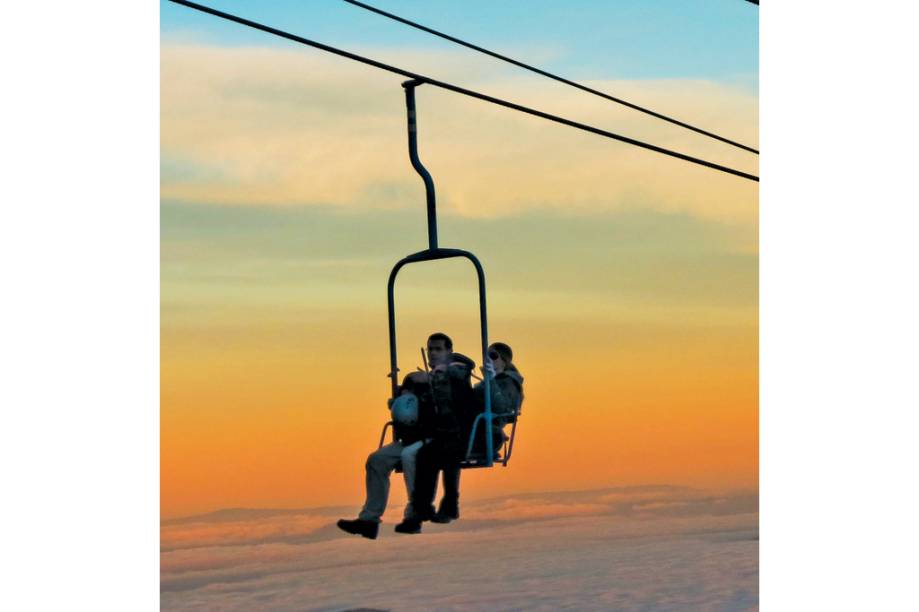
(473,459)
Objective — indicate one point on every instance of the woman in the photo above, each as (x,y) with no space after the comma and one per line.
(506,392)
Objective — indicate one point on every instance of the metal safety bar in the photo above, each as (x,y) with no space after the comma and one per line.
(431,255)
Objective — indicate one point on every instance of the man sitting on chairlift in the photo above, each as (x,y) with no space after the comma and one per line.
(450,382)
(431,425)
(506,396)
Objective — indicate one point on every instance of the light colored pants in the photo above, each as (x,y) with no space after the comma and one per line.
(380,464)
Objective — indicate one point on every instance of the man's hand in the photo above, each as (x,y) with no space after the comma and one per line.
(489,369)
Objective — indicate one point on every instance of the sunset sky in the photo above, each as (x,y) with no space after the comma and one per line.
(625,281)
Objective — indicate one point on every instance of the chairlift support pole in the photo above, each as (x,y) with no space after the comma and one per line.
(409,87)
(433,252)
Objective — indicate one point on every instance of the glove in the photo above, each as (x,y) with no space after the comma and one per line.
(489,369)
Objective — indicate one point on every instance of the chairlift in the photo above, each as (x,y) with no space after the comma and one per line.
(432,253)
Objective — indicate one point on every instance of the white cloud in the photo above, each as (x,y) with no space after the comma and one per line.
(528,552)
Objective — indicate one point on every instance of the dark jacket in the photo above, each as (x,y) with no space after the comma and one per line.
(443,405)
(453,401)
(506,395)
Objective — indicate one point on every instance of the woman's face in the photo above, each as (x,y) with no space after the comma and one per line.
(497,360)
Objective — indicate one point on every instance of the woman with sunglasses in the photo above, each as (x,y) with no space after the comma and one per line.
(507,390)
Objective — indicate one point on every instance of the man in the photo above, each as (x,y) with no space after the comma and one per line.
(381,463)
(453,402)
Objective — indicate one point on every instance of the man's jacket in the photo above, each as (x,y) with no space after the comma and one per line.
(453,402)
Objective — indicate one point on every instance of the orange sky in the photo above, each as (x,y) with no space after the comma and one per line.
(630,301)
(273,382)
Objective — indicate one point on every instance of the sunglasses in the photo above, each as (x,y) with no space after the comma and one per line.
(493,355)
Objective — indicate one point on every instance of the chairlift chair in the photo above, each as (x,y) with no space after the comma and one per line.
(432,253)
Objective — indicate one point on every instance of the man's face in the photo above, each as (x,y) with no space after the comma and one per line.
(437,352)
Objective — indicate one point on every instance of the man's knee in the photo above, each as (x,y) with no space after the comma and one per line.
(408,456)
(373,461)
(379,462)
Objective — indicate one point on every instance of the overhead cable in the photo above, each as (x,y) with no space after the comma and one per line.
(461,90)
(555,77)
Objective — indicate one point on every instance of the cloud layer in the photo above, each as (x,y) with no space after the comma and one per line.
(627,548)
(290,127)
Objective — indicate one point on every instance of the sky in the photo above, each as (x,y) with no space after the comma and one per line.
(632,39)
(626,282)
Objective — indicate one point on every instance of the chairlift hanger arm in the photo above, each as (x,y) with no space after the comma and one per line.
(416,162)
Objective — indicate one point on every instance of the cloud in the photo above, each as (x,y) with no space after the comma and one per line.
(206,533)
(517,510)
(538,551)
(270,126)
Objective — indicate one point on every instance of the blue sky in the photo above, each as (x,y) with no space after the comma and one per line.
(627,39)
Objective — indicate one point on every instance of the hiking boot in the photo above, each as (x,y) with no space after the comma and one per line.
(409,525)
(449,506)
(446,514)
(444,518)
(367,529)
